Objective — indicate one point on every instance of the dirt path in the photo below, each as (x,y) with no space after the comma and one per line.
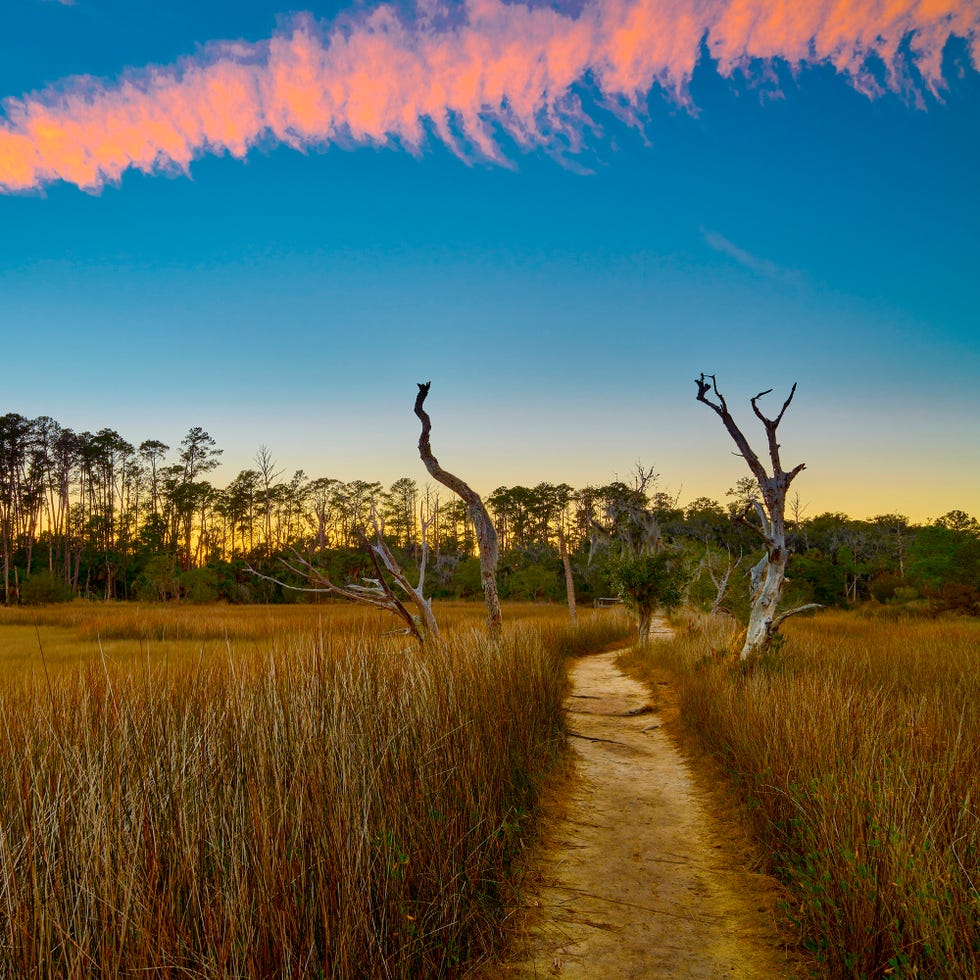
(633,880)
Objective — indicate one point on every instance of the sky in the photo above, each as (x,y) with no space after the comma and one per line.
(272,221)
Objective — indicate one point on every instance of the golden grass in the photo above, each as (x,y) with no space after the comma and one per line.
(304,799)
(84,632)
(857,750)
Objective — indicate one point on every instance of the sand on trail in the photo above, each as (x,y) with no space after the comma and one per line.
(633,878)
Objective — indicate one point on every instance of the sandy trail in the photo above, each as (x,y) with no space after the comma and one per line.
(633,881)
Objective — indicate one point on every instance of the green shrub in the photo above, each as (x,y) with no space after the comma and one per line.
(158,581)
(43,588)
(199,585)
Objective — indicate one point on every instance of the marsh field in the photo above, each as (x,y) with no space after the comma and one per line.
(855,751)
(235,791)
(229,791)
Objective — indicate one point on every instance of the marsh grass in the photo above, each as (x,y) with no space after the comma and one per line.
(180,622)
(86,632)
(326,803)
(857,752)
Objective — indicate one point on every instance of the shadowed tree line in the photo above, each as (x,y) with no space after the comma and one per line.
(93,515)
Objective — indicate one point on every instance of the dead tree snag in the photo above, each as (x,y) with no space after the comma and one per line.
(721,576)
(767,518)
(486,533)
(376,592)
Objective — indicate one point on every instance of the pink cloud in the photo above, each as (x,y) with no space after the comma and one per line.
(503,67)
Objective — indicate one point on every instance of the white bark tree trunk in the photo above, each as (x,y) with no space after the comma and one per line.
(767,590)
(769,575)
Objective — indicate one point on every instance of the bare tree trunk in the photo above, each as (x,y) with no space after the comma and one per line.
(769,574)
(268,473)
(486,533)
(569,580)
(768,577)
(6,572)
(435,525)
(644,623)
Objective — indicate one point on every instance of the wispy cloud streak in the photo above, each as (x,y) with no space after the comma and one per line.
(760,266)
(389,78)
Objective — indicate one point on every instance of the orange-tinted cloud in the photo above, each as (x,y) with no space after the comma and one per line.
(499,67)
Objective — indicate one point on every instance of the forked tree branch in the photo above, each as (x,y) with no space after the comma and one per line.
(780,478)
(763,529)
(771,425)
(720,407)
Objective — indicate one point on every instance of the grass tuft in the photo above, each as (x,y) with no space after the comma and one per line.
(857,752)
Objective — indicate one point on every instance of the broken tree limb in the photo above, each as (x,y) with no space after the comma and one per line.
(375,592)
(381,552)
(486,533)
(793,612)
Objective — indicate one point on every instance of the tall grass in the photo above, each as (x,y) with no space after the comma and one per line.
(858,752)
(333,806)
(77,632)
(185,621)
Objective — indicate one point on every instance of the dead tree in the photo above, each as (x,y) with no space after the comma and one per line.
(720,577)
(486,533)
(767,518)
(376,591)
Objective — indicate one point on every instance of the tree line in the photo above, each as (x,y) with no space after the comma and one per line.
(93,515)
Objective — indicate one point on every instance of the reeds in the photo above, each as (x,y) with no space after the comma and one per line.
(857,750)
(334,806)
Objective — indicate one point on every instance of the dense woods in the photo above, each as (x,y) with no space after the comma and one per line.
(93,515)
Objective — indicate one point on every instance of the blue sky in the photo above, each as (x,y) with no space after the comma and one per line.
(791,229)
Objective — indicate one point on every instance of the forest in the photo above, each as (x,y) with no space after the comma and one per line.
(94,516)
